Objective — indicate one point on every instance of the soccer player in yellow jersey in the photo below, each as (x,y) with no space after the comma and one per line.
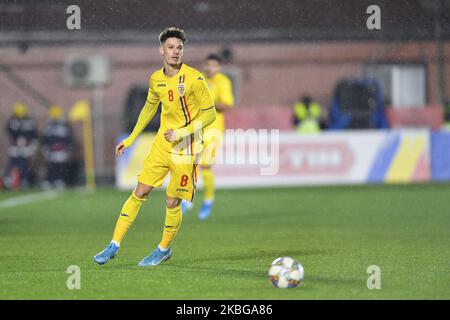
(187,107)
(222,92)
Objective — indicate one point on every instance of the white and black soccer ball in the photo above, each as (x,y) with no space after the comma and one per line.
(285,272)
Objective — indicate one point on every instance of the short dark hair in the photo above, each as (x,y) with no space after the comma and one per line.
(214,56)
(172,32)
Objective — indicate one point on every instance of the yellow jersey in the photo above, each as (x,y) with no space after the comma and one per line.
(222,93)
(181,97)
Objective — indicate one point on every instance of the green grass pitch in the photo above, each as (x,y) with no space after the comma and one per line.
(335,233)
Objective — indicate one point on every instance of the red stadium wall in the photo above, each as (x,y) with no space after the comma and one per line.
(432,116)
(272,77)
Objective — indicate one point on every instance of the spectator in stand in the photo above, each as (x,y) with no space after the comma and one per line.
(57,145)
(307,113)
(23,137)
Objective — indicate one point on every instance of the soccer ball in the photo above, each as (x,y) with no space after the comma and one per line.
(285,272)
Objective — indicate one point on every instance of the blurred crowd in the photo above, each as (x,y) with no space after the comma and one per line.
(38,158)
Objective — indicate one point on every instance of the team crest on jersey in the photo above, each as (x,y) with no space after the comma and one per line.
(181,89)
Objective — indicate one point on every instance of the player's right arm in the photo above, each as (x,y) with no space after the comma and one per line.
(146,115)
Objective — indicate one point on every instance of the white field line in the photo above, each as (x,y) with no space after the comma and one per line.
(29,198)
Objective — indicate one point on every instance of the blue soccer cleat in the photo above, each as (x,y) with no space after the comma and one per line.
(205,211)
(156,257)
(109,253)
(186,205)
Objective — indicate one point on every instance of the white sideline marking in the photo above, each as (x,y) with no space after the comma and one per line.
(29,198)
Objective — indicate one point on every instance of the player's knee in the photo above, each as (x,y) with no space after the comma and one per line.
(142,191)
(141,194)
(172,202)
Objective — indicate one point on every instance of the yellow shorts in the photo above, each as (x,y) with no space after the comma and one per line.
(182,168)
(212,141)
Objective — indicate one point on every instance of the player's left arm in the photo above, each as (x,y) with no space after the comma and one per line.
(207,112)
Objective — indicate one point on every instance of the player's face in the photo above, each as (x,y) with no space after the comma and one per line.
(211,67)
(172,51)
